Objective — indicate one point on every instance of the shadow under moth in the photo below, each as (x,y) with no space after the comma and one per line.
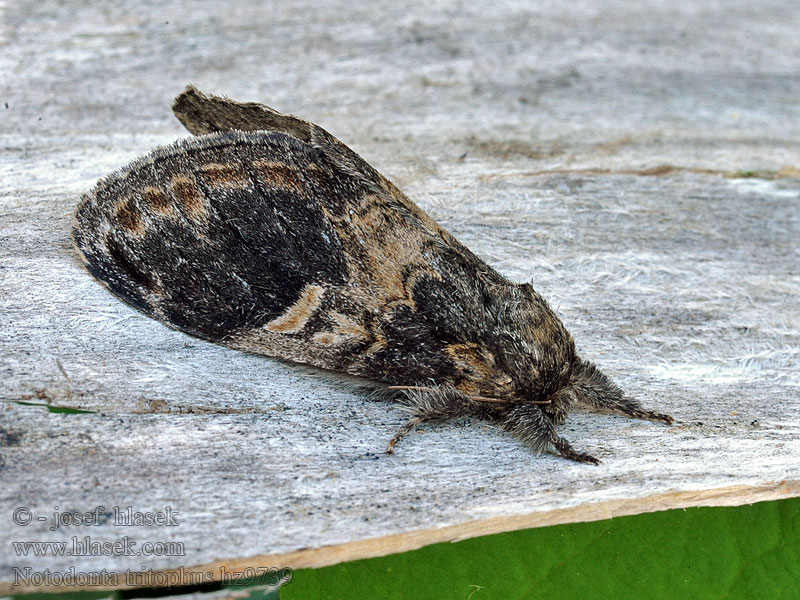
(267,234)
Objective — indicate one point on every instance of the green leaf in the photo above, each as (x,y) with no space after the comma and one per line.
(709,553)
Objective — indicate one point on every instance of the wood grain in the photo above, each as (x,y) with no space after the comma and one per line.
(639,165)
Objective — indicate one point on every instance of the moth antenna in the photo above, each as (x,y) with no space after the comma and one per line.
(487,399)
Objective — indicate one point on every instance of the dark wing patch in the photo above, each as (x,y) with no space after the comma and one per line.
(210,247)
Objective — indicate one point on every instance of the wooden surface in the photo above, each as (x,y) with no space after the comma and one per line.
(639,165)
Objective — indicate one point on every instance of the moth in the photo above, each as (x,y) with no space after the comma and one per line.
(267,234)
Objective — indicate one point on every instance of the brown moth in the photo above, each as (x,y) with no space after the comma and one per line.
(267,234)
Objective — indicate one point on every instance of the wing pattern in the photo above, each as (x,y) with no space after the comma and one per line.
(266,243)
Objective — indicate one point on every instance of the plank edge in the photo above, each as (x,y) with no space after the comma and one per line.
(404,542)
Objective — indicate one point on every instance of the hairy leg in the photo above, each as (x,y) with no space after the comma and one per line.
(531,425)
(433,404)
(594,389)
(627,406)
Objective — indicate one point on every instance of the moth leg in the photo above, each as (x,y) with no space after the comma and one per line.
(431,404)
(594,389)
(408,426)
(531,425)
(628,406)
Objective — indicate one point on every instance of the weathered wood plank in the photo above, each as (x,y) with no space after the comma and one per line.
(591,151)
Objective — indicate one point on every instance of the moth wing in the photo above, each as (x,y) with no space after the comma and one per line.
(205,113)
(290,247)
